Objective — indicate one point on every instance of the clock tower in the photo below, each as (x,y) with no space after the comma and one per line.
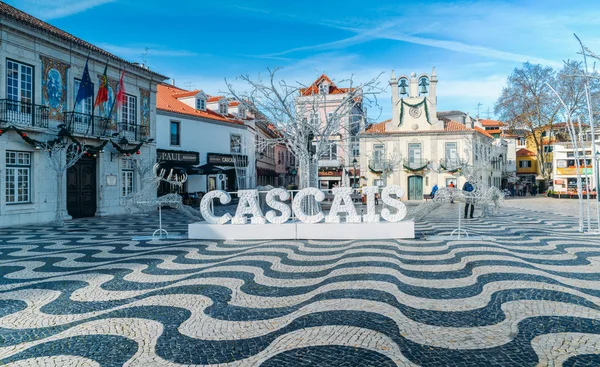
(414,103)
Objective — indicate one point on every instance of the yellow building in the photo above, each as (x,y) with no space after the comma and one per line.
(527,166)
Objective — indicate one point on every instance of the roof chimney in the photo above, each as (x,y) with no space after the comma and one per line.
(173,81)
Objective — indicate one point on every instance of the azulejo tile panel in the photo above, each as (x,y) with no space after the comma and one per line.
(88,294)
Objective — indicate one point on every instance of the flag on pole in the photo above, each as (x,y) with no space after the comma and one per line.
(103,90)
(121,93)
(86,88)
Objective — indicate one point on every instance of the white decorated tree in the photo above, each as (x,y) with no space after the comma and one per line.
(303,119)
(61,156)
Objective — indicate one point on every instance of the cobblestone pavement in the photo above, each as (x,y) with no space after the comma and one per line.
(89,295)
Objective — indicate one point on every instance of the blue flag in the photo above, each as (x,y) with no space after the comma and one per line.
(86,88)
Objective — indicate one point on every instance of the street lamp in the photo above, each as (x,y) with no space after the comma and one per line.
(354,165)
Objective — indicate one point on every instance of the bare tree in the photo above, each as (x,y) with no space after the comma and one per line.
(305,122)
(528,103)
(61,157)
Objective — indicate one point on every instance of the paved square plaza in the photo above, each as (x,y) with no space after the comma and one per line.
(89,295)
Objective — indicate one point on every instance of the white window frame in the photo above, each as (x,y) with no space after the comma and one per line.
(18,165)
(19,75)
(413,149)
(201,104)
(129,112)
(84,106)
(223,108)
(127,177)
(232,143)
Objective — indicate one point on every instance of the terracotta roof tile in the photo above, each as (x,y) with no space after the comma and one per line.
(186,94)
(234,103)
(483,132)
(378,128)
(166,101)
(34,22)
(451,125)
(314,88)
(491,123)
(212,99)
(525,153)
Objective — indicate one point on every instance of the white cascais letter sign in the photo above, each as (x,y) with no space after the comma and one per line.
(370,227)
(297,205)
(285,210)
(248,204)
(394,203)
(207,213)
(370,192)
(342,202)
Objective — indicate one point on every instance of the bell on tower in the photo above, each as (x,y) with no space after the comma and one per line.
(423,83)
(403,85)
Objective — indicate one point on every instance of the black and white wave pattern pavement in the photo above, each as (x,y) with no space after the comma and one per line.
(88,295)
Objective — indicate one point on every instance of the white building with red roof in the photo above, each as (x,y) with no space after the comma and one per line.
(197,134)
(403,149)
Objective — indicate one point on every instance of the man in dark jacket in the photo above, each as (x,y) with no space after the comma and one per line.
(468,189)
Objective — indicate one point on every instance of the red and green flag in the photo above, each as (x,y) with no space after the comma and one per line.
(103,90)
(121,93)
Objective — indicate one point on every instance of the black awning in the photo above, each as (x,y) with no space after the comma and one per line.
(205,169)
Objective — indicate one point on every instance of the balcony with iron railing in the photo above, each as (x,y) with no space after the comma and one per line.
(102,127)
(133,132)
(451,164)
(89,125)
(23,114)
(414,164)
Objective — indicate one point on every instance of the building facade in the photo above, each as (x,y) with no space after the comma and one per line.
(215,150)
(41,68)
(417,150)
(327,101)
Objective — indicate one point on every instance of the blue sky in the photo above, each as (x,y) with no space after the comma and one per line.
(474,45)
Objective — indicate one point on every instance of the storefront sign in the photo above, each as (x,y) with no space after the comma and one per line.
(275,199)
(330,173)
(218,159)
(178,156)
(573,171)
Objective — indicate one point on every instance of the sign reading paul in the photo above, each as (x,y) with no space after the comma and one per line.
(276,223)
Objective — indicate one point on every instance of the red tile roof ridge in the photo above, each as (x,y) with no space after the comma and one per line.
(32,21)
(165,101)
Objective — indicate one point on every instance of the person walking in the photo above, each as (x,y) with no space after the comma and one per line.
(434,190)
(451,186)
(468,188)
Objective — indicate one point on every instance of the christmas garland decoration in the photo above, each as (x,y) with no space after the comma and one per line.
(449,170)
(90,150)
(408,168)
(375,171)
(134,150)
(33,142)
(423,102)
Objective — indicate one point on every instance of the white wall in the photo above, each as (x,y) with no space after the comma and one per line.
(202,136)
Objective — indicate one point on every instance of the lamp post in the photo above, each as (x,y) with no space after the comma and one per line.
(354,166)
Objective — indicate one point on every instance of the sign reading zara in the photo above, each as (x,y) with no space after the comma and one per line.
(178,156)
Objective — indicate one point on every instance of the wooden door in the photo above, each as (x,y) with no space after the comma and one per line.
(415,188)
(81,188)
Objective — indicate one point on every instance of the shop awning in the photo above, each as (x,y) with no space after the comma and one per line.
(265,172)
(205,169)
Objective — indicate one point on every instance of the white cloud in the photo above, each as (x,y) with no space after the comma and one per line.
(136,52)
(53,9)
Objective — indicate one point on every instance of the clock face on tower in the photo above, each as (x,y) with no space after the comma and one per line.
(415,112)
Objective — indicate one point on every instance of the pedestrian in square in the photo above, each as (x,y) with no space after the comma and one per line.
(468,189)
